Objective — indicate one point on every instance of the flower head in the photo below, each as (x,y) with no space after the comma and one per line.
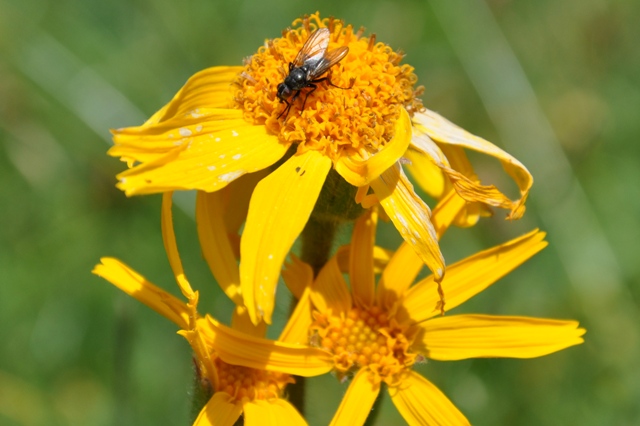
(377,333)
(236,385)
(224,123)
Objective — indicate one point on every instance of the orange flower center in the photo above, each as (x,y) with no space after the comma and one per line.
(365,338)
(355,118)
(245,383)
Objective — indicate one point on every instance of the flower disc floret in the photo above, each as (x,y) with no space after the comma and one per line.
(249,384)
(366,338)
(356,117)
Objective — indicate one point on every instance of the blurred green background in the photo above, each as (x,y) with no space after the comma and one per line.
(557,84)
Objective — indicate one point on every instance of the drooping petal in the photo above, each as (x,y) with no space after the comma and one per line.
(137,286)
(242,322)
(171,247)
(235,347)
(329,291)
(216,246)
(410,215)
(297,275)
(361,259)
(357,402)
(297,328)
(444,132)
(273,412)
(221,410)
(280,207)
(484,336)
(421,403)
(405,265)
(206,160)
(426,174)
(237,196)
(361,172)
(469,277)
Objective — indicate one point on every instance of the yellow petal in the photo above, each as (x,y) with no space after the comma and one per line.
(206,161)
(169,239)
(329,291)
(221,410)
(469,277)
(297,275)
(360,172)
(216,245)
(421,403)
(444,132)
(280,207)
(274,412)
(210,88)
(299,323)
(447,212)
(410,215)
(137,286)
(397,277)
(358,401)
(427,175)
(237,196)
(235,347)
(361,260)
(242,322)
(381,257)
(485,336)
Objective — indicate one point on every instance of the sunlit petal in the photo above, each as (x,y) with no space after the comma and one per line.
(469,277)
(361,259)
(297,275)
(169,239)
(274,412)
(329,291)
(280,207)
(360,172)
(421,403)
(216,246)
(410,215)
(206,160)
(483,336)
(235,347)
(242,322)
(358,401)
(443,131)
(137,286)
(297,328)
(427,175)
(221,410)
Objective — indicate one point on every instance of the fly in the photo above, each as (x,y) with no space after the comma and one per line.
(311,62)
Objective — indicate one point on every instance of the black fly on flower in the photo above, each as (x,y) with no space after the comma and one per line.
(312,61)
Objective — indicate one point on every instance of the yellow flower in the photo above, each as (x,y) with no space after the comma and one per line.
(377,333)
(237,385)
(224,124)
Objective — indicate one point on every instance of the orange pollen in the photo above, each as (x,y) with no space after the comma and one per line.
(366,338)
(244,383)
(355,118)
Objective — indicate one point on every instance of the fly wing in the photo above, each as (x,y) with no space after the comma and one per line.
(329,60)
(314,48)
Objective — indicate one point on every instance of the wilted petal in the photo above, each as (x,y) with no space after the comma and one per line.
(469,277)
